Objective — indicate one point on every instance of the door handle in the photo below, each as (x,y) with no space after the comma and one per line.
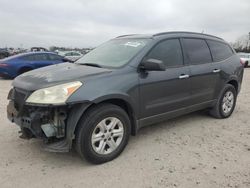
(183,76)
(216,70)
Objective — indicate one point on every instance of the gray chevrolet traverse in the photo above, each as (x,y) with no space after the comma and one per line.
(126,83)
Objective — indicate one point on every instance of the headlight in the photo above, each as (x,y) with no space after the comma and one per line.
(54,95)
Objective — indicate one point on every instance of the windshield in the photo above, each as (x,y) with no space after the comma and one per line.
(114,53)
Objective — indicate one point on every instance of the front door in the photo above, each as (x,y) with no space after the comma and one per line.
(165,91)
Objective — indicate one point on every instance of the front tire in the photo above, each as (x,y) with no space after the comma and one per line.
(225,104)
(102,133)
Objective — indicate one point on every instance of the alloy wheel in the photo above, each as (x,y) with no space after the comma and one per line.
(107,135)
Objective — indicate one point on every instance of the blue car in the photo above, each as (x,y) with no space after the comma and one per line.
(15,65)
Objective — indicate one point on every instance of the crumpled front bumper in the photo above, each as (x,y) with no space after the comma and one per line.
(54,124)
(32,121)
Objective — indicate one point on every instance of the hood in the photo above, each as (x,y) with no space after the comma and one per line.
(56,74)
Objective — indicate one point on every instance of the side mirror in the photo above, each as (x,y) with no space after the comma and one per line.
(152,65)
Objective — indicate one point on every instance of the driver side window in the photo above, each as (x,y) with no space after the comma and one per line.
(168,51)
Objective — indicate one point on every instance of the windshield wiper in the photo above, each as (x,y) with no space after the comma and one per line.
(92,64)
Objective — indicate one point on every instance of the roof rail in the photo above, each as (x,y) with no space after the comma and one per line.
(187,32)
(125,35)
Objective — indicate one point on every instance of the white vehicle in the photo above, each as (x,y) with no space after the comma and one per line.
(73,55)
(245,57)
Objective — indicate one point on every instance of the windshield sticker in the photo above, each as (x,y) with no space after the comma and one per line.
(133,44)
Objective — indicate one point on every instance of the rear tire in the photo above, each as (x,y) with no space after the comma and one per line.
(225,104)
(96,140)
(246,64)
(23,70)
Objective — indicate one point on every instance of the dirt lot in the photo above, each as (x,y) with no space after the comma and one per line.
(191,151)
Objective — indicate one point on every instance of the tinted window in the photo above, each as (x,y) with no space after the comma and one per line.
(68,54)
(55,57)
(197,51)
(220,51)
(36,57)
(40,57)
(168,51)
(243,56)
(75,54)
(28,58)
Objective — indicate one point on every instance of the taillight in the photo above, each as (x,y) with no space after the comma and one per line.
(3,65)
(242,62)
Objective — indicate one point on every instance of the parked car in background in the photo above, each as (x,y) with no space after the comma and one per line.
(245,57)
(38,49)
(15,65)
(72,55)
(123,85)
(4,53)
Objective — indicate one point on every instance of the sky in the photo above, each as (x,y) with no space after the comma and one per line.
(82,23)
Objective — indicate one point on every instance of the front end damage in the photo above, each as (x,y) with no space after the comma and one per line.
(54,124)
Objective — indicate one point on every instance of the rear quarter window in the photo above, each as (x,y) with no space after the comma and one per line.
(55,57)
(219,50)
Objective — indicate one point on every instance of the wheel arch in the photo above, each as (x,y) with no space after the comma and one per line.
(127,107)
(78,110)
(23,68)
(234,83)
(123,102)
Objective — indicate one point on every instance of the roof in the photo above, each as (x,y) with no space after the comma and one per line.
(27,53)
(173,33)
(136,36)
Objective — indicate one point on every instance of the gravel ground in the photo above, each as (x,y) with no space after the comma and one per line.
(190,151)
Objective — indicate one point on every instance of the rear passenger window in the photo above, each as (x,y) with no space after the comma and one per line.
(40,57)
(168,51)
(220,51)
(197,51)
(28,58)
(36,57)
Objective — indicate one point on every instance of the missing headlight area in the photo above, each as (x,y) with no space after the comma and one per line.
(55,127)
(41,122)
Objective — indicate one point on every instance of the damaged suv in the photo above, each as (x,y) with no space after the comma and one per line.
(128,82)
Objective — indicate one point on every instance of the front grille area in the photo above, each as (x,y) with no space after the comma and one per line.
(19,98)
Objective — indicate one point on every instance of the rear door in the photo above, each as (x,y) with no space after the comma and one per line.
(204,74)
(220,53)
(169,90)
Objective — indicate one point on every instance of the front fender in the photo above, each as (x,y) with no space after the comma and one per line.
(75,114)
(132,104)
(78,110)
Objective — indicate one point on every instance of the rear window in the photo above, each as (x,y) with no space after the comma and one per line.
(197,51)
(220,51)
